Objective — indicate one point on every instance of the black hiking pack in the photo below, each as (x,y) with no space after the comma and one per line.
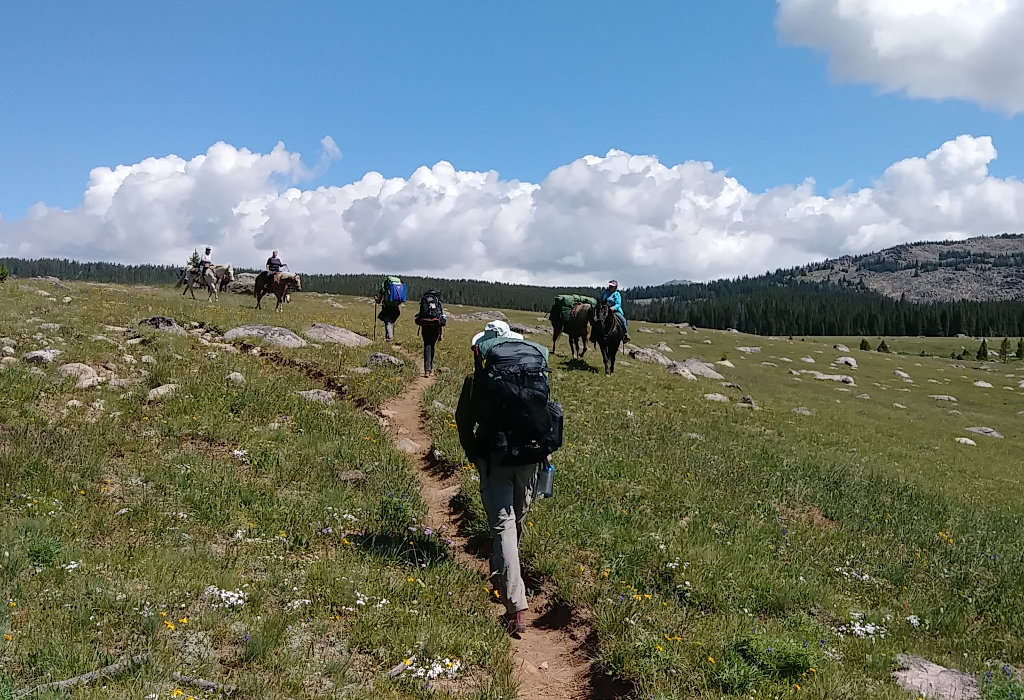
(519,423)
(431,313)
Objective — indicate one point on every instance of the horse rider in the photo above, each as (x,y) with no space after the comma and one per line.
(273,266)
(205,261)
(614,301)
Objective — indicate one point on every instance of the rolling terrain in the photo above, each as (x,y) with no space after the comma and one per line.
(765,533)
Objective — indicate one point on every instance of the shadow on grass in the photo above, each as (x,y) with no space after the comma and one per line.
(579,365)
(412,548)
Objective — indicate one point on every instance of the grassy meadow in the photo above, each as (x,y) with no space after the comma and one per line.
(239,533)
(234,533)
(719,550)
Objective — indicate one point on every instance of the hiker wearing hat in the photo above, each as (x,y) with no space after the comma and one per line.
(205,261)
(507,465)
(614,301)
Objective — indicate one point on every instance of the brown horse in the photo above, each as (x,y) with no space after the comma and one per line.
(281,284)
(608,332)
(581,316)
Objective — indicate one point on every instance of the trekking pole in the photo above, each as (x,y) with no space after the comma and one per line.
(375,320)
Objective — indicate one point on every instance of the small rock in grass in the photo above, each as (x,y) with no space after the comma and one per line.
(161,392)
(966,441)
(848,361)
(863,396)
(409,446)
(803,411)
(318,396)
(983,385)
(42,357)
(383,359)
(808,360)
(7,351)
(982,430)
(236,378)
(161,323)
(923,678)
(85,374)
(901,374)
(748,402)
(49,326)
(720,398)
(726,363)
(840,347)
(899,405)
(943,397)
(742,348)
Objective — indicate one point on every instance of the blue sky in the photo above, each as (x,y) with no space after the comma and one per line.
(518,88)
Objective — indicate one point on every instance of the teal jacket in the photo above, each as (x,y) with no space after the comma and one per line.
(614,300)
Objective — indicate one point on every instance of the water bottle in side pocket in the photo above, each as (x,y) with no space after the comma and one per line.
(545,480)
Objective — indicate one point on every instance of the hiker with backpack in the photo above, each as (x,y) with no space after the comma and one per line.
(390,295)
(508,427)
(431,319)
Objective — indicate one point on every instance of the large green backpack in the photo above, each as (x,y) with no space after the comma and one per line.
(564,304)
(519,423)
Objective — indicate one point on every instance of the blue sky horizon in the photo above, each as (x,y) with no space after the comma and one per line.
(523,143)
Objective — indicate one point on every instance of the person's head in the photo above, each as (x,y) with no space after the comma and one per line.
(274,254)
(208,249)
(612,285)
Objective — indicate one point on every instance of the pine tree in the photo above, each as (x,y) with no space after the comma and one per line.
(194,260)
(864,344)
(1020,349)
(982,353)
(4,273)
(1004,350)
(882,347)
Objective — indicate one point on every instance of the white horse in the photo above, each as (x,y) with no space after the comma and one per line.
(216,277)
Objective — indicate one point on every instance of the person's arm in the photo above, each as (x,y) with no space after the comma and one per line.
(616,302)
(465,420)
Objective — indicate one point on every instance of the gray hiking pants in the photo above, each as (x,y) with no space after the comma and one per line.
(507,493)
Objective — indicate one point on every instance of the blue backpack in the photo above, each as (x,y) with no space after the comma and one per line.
(394,291)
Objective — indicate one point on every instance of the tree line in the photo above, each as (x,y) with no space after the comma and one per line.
(777,303)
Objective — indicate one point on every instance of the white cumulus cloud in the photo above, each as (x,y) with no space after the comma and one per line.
(965,49)
(622,215)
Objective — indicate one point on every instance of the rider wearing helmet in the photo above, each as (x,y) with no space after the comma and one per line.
(614,300)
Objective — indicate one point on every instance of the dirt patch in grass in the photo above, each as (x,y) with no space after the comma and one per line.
(209,447)
(807,513)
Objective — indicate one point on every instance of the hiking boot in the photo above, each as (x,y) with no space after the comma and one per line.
(515,622)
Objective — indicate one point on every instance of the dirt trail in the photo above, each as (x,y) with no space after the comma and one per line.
(549,656)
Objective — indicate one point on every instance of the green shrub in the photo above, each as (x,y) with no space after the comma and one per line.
(45,550)
(882,347)
(864,344)
(780,658)
(733,674)
(4,273)
(982,353)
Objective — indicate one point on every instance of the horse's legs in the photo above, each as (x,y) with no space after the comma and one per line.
(555,334)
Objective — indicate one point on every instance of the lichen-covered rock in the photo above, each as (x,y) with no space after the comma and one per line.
(326,333)
(384,360)
(42,357)
(282,337)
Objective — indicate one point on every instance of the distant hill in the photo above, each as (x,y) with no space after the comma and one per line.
(988,268)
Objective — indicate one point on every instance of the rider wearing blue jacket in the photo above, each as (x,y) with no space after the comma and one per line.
(614,299)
